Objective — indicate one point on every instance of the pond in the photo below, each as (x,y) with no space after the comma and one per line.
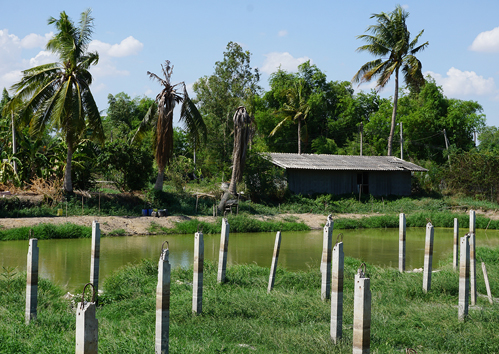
(67,262)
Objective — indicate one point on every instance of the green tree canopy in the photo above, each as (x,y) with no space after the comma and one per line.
(234,83)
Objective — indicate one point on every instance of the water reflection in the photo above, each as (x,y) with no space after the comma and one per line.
(67,262)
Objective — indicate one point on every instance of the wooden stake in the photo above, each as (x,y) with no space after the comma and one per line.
(487,285)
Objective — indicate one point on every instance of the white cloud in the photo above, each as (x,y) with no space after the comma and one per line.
(285,60)
(128,46)
(282,33)
(487,41)
(43,57)
(34,40)
(459,83)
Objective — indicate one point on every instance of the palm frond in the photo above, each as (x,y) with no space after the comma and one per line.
(190,115)
(148,120)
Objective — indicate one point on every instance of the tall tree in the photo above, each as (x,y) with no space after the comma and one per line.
(162,114)
(234,83)
(391,42)
(58,94)
(296,109)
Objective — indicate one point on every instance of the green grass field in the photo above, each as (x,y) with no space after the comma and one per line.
(240,317)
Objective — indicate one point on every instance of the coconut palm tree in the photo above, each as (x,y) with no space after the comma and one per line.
(58,95)
(295,110)
(161,113)
(391,42)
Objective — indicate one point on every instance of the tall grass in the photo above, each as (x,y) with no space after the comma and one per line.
(46,231)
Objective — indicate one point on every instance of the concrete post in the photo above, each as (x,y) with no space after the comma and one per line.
(487,285)
(402,234)
(273,267)
(472,222)
(87,333)
(32,280)
(327,243)
(197,282)
(94,263)
(464,278)
(361,314)
(224,245)
(163,303)
(428,257)
(473,292)
(455,258)
(337,292)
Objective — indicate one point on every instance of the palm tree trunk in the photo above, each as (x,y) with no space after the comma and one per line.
(394,113)
(14,142)
(68,183)
(159,180)
(299,137)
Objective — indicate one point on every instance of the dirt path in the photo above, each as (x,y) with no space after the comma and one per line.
(139,225)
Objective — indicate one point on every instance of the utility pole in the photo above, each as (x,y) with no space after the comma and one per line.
(14,142)
(361,131)
(447,145)
(401,142)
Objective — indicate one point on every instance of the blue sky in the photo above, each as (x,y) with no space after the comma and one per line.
(133,37)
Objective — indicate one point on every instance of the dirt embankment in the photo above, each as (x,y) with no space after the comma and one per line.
(140,225)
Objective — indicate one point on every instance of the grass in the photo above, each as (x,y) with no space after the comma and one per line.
(240,317)
(238,223)
(46,231)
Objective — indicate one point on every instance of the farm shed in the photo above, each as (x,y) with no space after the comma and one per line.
(339,174)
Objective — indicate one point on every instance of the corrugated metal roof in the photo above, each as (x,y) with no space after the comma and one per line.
(342,162)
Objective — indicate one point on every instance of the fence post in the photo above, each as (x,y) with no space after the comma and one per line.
(224,245)
(327,242)
(94,262)
(402,236)
(472,222)
(473,293)
(464,278)
(361,313)
(273,267)
(32,280)
(87,332)
(487,285)
(428,257)
(337,291)
(163,303)
(197,283)
(455,258)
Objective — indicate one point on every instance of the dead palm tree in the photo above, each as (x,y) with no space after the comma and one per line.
(162,114)
(242,135)
(391,42)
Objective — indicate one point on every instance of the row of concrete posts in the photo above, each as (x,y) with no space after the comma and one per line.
(332,269)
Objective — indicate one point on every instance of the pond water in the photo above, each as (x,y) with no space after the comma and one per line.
(67,262)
